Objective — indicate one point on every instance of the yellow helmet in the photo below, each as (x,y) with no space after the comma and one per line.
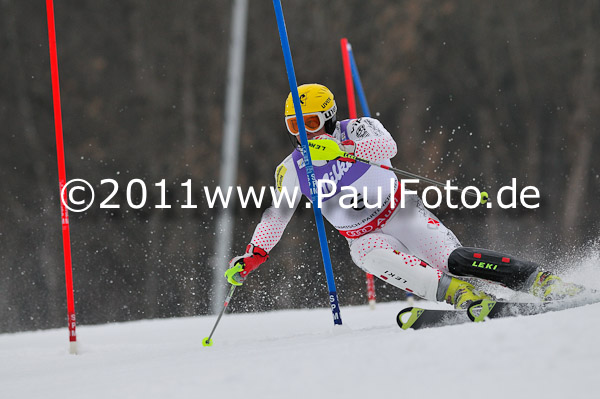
(314,99)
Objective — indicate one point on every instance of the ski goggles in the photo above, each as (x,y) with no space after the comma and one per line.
(313,121)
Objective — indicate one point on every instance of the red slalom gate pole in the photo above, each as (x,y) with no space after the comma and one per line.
(352,112)
(348,77)
(62,177)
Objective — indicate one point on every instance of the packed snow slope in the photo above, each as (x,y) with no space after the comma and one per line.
(299,354)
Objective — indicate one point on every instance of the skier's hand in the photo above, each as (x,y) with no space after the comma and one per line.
(348,147)
(241,266)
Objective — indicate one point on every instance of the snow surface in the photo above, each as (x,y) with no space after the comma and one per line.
(299,354)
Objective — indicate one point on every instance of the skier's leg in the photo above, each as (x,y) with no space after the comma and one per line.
(428,239)
(385,257)
(423,237)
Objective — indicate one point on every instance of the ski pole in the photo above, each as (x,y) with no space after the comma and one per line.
(208,341)
(327,150)
(483,199)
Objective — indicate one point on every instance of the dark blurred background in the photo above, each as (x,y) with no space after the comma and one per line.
(479,92)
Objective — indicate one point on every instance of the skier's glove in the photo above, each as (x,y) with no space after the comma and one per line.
(348,147)
(241,266)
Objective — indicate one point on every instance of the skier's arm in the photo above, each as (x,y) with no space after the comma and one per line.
(272,224)
(270,229)
(371,140)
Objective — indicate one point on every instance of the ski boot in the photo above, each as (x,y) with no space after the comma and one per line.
(462,294)
(549,287)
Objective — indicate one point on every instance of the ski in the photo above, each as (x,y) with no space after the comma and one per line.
(417,318)
(480,310)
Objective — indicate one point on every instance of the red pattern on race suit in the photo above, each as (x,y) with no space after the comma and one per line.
(270,229)
(361,247)
(376,148)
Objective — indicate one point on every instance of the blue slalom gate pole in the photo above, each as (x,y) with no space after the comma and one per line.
(310,173)
(357,84)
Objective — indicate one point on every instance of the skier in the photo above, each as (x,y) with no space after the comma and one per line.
(408,246)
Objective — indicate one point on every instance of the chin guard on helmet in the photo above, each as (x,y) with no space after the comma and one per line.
(330,125)
(490,265)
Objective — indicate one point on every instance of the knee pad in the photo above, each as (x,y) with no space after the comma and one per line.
(491,265)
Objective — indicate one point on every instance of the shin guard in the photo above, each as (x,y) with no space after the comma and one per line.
(494,266)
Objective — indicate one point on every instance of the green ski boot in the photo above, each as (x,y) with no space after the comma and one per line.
(549,287)
(462,294)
